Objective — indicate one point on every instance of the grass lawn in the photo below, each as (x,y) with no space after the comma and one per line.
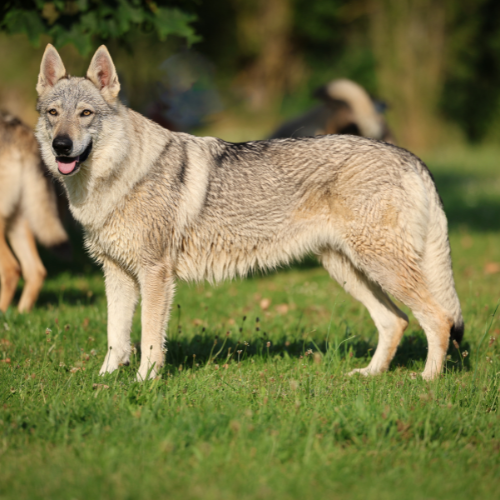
(254,401)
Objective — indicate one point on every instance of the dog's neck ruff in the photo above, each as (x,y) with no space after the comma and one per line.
(91,197)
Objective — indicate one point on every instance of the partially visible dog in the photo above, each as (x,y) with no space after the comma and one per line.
(27,209)
(159,206)
(346,109)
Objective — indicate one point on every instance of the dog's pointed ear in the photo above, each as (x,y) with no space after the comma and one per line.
(51,70)
(102,74)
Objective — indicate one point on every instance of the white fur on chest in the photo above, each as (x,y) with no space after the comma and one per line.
(119,242)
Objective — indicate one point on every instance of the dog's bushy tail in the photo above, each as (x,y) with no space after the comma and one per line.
(437,260)
(39,204)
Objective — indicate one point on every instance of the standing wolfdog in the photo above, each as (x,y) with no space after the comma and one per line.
(27,206)
(158,205)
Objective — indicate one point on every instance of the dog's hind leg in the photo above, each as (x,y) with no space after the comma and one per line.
(23,244)
(122,294)
(435,321)
(157,291)
(437,325)
(9,270)
(401,274)
(389,320)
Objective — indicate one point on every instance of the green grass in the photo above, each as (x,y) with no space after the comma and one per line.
(268,422)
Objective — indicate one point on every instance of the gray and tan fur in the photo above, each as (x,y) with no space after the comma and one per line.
(27,209)
(158,205)
(346,108)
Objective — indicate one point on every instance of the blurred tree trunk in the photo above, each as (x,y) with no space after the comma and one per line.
(409,41)
(270,64)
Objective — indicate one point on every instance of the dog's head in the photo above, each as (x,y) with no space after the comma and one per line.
(72,110)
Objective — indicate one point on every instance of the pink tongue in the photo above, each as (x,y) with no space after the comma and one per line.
(66,168)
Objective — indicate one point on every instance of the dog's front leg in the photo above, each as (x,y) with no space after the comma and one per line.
(157,290)
(122,293)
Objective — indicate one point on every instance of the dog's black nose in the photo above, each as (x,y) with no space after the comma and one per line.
(62,145)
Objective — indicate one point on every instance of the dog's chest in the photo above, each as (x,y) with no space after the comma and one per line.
(118,240)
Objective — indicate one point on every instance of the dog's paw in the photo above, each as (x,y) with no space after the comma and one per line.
(147,371)
(362,371)
(107,368)
(113,361)
(430,374)
(367,371)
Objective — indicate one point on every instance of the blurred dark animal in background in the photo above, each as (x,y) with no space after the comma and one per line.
(187,92)
(346,109)
(28,209)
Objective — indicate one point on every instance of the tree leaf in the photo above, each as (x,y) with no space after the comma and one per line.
(25,21)
(169,21)
(83,22)
(75,35)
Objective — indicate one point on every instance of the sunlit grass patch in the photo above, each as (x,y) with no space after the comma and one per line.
(254,401)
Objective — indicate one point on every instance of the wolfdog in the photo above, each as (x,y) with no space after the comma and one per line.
(158,205)
(27,206)
(346,108)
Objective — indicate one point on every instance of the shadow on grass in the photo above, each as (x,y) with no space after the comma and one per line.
(204,347)
(69,296)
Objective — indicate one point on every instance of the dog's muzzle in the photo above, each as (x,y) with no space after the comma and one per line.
(62,145)
(69,165)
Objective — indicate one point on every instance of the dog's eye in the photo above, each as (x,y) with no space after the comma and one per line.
(53,112)
(86,112)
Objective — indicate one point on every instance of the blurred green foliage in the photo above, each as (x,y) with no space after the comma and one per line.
(472,88)
(85,22)
(437,64)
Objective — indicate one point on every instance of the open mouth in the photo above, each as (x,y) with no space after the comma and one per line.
(68,165)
